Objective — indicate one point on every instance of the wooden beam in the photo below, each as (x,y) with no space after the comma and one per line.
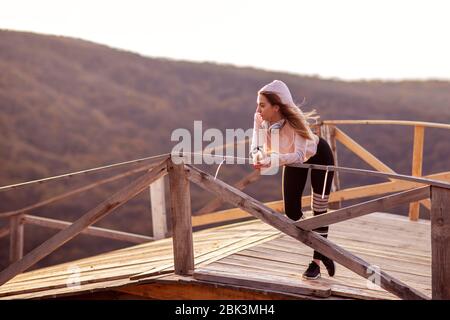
(265,281)
(183,248)
(419,133)
(241,184)
(361,152)
(364,208)
(390,122)
(311,239)
(422,180)
(92,231)
(440,243)
(16,238)
(89,218)
(158,209)
(341,195)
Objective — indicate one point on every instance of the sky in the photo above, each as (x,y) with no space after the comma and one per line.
(345,39)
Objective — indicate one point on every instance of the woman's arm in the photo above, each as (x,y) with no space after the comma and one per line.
(257,121)
(299,153)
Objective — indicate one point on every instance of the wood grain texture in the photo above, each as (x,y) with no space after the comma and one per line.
(440,242)
(89,218)
(309,238)
(180,201)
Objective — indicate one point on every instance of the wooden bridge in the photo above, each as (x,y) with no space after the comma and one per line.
(379,255)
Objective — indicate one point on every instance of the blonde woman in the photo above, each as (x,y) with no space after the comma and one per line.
(297,144)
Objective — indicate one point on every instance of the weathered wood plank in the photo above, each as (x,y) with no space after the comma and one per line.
(89,218)
(261,281)
(361,152)
(180,200)
(241,184)
(158,209)
(223,250)
(92,231)
(419,133)
(309,238)
(16,238)
(363,208)
(440,243)
(391,122)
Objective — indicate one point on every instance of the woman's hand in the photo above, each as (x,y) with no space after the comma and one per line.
(262,164)
(258,166)
(258,119)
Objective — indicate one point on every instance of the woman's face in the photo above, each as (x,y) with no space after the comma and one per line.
(265,109)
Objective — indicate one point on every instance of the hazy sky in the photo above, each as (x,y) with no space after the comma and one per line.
(342,39)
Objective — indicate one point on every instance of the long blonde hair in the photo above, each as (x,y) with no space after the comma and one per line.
(294,115)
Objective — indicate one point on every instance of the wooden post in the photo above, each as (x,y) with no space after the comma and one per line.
(440,243)
(16,238)
(180,203)
(158,207)
(89,218)
(417,167)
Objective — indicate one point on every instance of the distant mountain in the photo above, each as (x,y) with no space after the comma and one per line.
(68,104)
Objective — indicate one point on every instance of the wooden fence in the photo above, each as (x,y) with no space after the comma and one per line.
(432,191)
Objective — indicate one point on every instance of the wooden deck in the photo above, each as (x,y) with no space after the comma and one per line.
(247,260)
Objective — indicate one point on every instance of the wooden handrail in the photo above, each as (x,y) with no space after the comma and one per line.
(364,208)
(430,182)
(312,239)
(365,191)
(92,231)
(74,192)
(92,216)
(391,122)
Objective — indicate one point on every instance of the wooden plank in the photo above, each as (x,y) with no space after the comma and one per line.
(311,239)
(158,209)
(363,191)
(360,209)
(65,292)
(209,256)
(440,243)
(345,194)
(259,281)
(16,238)
(89,218)
(391,122)
(203,290)
(183,248)
(241,184)
(93,231)
(423,181)
(361,152)
(419,133)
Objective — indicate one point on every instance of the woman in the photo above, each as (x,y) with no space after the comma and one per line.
(297,144)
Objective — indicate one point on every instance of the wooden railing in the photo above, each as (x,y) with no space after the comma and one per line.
(330,132)
(407,189)
(301,230)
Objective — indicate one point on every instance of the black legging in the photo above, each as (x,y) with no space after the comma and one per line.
(294,180)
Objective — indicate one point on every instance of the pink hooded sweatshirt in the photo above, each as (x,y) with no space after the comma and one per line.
(292,147)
